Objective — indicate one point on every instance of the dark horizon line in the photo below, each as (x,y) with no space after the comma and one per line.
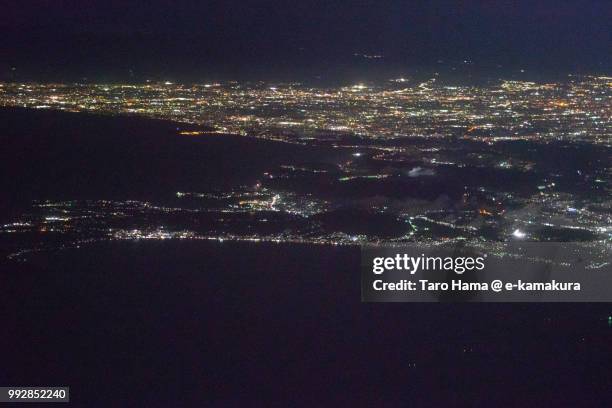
(337,79)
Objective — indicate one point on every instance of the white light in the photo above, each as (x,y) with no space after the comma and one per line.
(518,234)
(357,154)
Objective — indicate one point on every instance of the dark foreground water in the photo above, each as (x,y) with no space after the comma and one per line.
(202,324)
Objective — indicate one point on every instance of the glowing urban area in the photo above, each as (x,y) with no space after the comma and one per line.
(417,161)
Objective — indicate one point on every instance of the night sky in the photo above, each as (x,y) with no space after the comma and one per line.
(267,39)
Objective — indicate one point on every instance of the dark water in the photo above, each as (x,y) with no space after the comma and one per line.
(192,324)
(66,156)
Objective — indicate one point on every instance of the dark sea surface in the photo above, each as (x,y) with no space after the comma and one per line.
(192,323)
(66,156)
